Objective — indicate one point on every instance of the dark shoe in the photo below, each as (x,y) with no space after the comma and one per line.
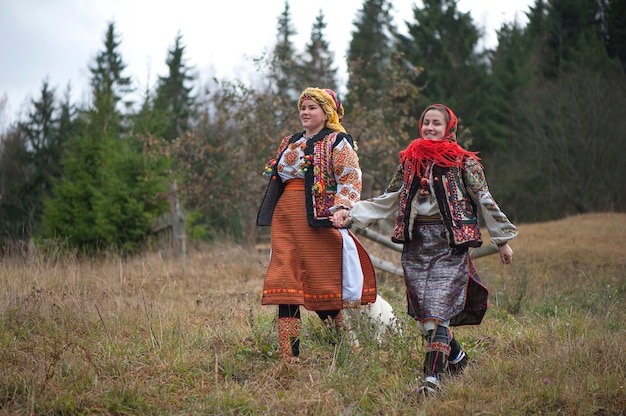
(458,364)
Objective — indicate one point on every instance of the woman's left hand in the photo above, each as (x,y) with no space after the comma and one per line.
(506,254)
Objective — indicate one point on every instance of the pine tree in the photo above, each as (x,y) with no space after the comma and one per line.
(285,60)
(167,109)
(15,169)
(66,125)
(443,41)
(101,200)
(173,98)
(569,34)
(566,121)
(318,63)
(370,53)
(380,90)
(109,87)
(41,130)
(511,72)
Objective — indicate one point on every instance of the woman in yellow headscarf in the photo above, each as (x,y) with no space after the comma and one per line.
(315,173)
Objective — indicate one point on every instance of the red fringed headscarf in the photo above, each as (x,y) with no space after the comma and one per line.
(444,153)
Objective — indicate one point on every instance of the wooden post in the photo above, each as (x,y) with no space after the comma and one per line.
(178,222)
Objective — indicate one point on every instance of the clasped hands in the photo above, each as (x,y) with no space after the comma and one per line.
(341,218)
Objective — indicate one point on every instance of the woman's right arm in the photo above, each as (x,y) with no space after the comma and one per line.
(367,212)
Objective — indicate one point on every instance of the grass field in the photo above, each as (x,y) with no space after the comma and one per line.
(157,336)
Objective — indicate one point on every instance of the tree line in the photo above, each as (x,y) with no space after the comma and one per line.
(545,109)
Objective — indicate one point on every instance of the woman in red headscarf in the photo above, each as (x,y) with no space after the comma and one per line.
(439,191)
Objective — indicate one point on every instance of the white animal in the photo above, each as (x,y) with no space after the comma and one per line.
(376,318)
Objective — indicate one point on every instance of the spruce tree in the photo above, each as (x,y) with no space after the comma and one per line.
(566,123)
(66,124)
(380,90)
(370,53)
(41,130)
(574,35)
(443,42)
(174,99)
(318,68)
(109,87)
(285,61)
(511,72)
(100,200)
(15,171)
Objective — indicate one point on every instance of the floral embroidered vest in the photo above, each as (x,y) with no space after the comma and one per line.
(319,182)
(458,210)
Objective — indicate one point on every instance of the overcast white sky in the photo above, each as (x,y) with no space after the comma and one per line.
(59,39)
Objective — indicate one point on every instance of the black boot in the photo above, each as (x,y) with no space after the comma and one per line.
(436,360)
(457,361)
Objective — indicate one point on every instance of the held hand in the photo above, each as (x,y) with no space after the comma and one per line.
(340,218)
(506,254)
(347,221)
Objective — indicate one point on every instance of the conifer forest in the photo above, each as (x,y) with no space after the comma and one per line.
(545,109)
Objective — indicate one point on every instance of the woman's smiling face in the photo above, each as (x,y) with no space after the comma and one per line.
(312,116)
(434,125)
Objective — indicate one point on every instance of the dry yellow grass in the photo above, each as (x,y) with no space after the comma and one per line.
(159,336)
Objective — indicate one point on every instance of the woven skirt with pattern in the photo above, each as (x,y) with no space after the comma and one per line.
(306,262)
(441,281)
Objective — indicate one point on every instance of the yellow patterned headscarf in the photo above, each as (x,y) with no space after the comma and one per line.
(330,103)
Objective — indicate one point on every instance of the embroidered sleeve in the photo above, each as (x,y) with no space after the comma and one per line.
(500,228)
(368,212)
(396,182)
(347,174)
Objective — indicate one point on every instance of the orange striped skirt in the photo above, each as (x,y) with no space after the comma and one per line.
(306,262)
